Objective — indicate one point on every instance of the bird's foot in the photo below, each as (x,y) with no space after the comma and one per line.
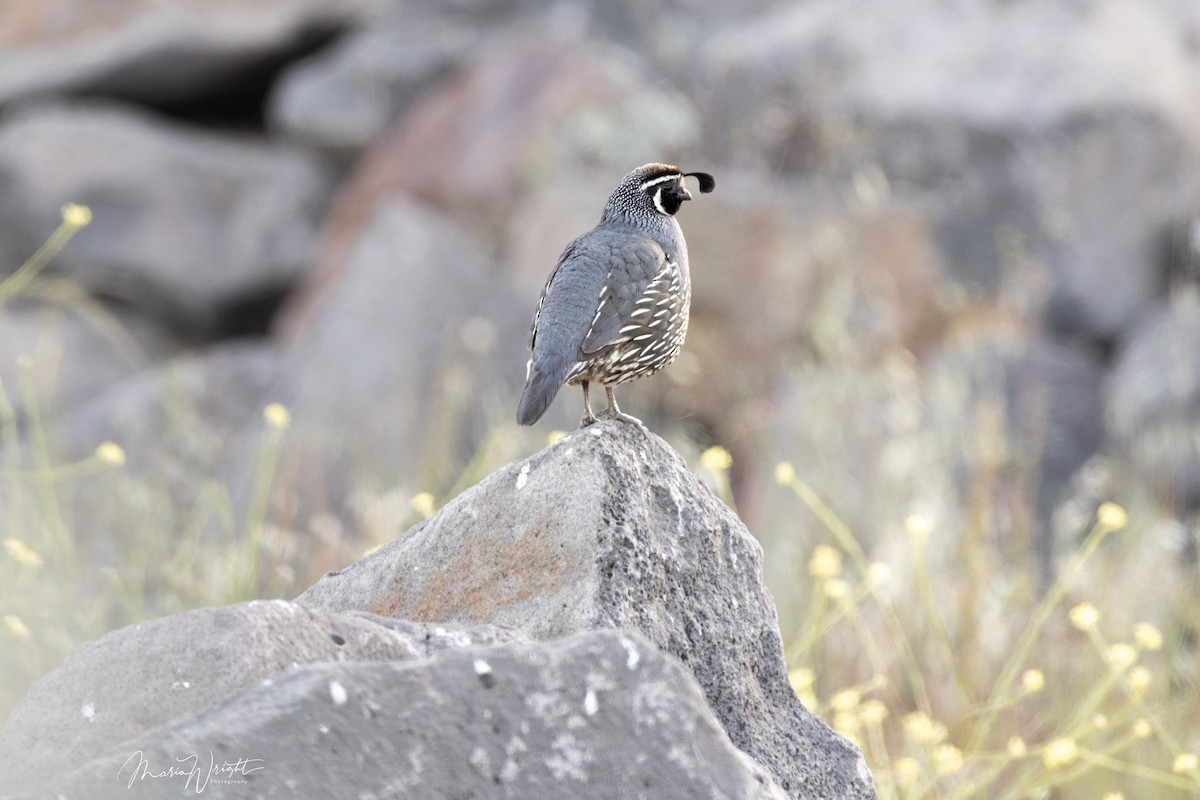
(620,416)
(588,419)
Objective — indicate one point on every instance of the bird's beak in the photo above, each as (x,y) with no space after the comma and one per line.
(682,193)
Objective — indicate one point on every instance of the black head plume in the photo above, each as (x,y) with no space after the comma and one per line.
(707,182)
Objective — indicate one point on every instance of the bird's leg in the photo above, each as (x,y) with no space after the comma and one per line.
(588,416)
(613,411)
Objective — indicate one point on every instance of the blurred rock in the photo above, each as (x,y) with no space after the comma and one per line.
(1016,417)
(75,351)
(782,277)
(135,679)
(182,424)
(1008,120)
(407,356)
(1153,404)
(184,222)
(153,53)
(345,97)
(608,528)
(160,414)
(983,433)
(513,720)
(536,104)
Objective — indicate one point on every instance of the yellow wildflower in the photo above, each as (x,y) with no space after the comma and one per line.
(879,574)
(919,527)
(826,562)
(76,215)
(554,436)
(801,678)
(1140,680)
(1185,763)
(785,473)
(1084,616)
(1121,655)
(837,589)
(277,415)
(1017,748)
(908,770)
(922,729)
(22,553)
(1141,728)
(1147,636)
(873,712)
(845,724)
(16,627)
(422,503)
(1111,516)
(845,700)
(1033,680)
(1099,721)
(111,453)
(1060,752)
(716,459)
(947,759)
(1113,796)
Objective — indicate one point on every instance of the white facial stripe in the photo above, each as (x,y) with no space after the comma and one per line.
(664,179)
(658,202)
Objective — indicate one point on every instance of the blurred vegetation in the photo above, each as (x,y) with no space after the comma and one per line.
(934,653)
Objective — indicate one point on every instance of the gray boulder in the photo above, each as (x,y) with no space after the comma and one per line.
(608,529)
(1018,125)
(596,715)
(191,410)
(155,53)
(184,221)
(74,351)
(536,103)
(411,322)
(345,96)
(1153,405)
(144,676)
(180,423)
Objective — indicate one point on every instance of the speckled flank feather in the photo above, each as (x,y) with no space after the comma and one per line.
(615,308)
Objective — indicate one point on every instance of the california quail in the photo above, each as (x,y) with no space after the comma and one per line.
(615,308)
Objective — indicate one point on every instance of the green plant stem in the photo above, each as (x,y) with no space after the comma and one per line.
(841,533)
(44,473)
(1041,616)
(14,284)
(256,513)
(11,445)
(940,631)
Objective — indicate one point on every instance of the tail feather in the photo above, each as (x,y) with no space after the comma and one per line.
(545,379)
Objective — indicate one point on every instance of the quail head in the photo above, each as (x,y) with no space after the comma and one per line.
(615,308)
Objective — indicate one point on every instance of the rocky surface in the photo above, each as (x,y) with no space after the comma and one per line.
(595,715)
(607,528)
(133,680)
